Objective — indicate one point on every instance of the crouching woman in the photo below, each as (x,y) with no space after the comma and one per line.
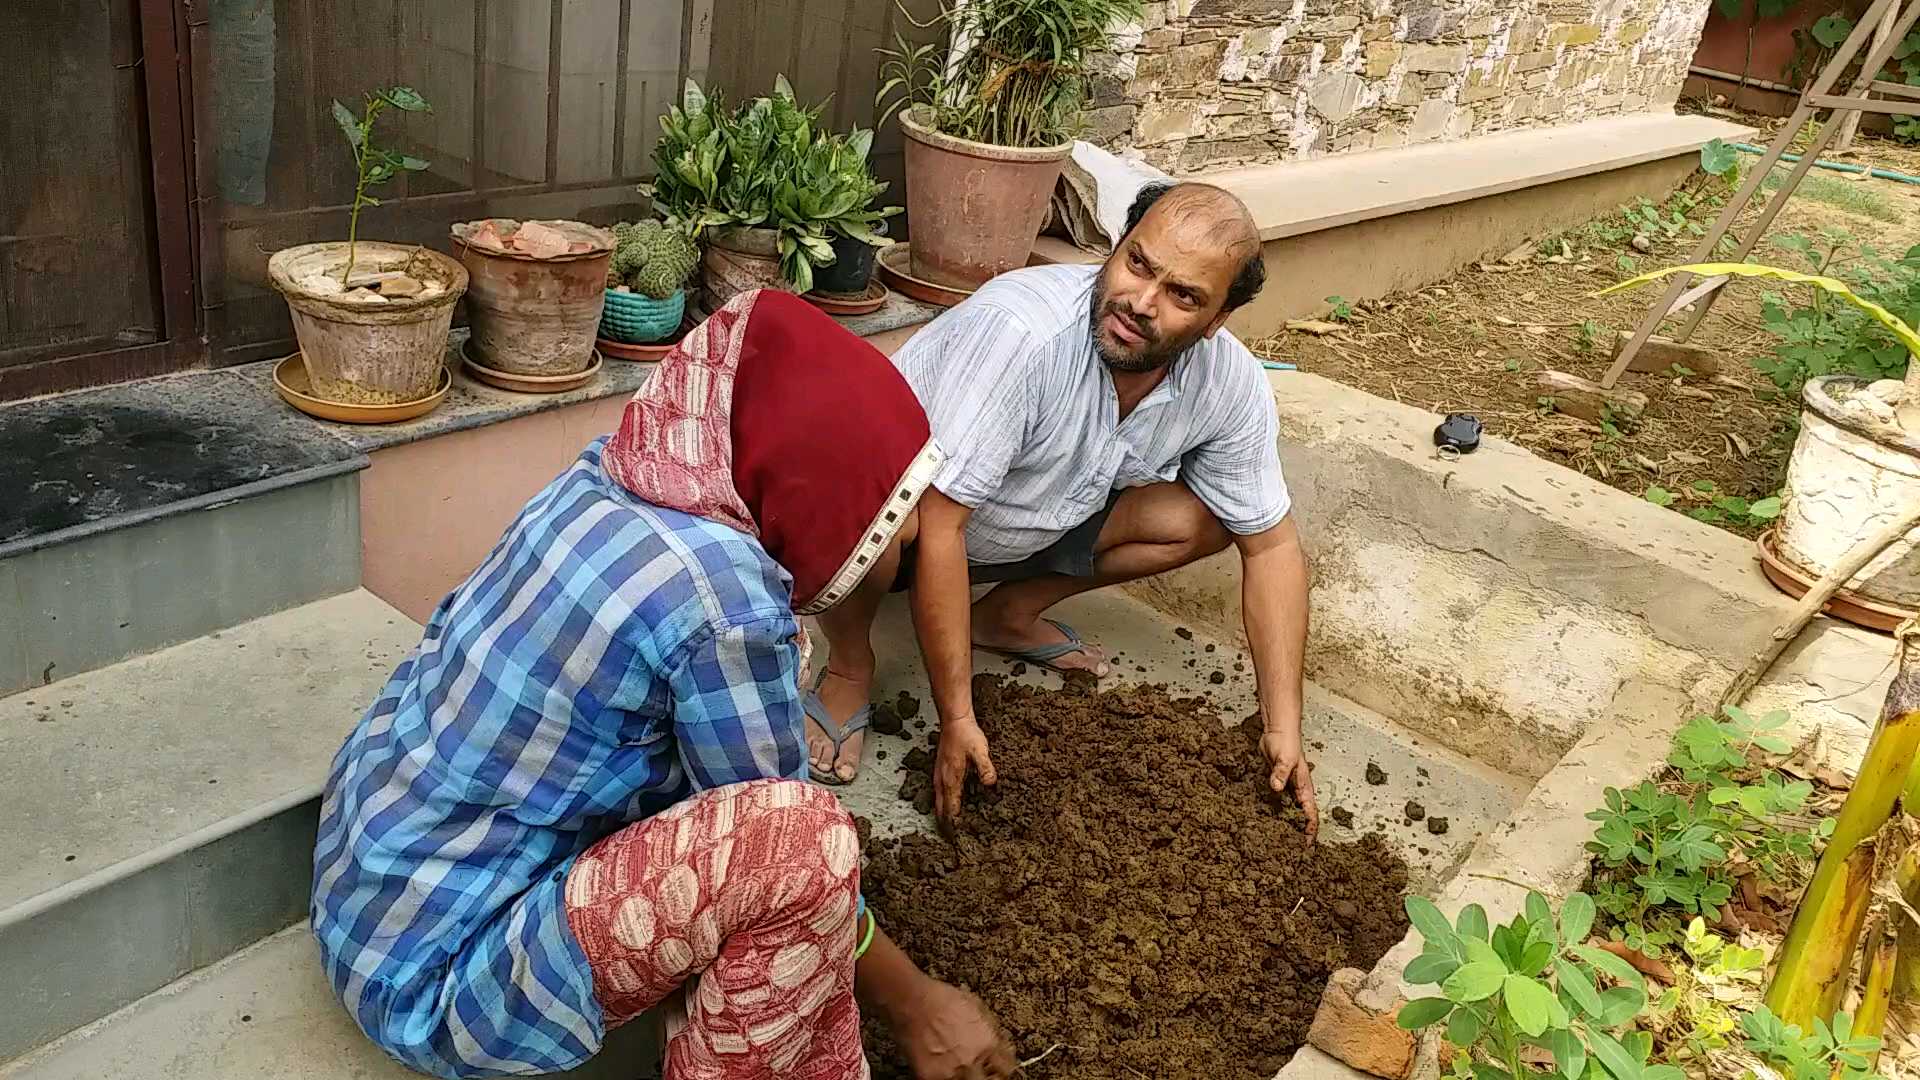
(578,797)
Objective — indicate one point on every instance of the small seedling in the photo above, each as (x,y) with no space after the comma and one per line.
(1589,335)
(1830,1050)
(1341,311)
(373,164)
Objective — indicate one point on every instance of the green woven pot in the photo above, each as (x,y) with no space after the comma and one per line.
(638,319)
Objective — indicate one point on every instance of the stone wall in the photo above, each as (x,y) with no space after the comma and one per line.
(1206,84)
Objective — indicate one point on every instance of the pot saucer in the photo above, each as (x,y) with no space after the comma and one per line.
(860,303)
(1845,604)
(896,269)
(530,384)
(291,380)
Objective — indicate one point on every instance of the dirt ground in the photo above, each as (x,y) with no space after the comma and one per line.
(1131,897)
(1474,342)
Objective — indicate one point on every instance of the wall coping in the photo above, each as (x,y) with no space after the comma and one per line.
(1295,197)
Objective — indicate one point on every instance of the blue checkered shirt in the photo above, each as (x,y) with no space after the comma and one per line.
(607,659)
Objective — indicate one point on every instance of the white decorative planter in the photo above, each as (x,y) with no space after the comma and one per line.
(1844,482)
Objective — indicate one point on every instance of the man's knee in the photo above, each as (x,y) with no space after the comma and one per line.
(1202,533)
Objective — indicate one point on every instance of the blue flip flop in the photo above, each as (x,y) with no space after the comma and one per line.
(817,711)
(1044,655)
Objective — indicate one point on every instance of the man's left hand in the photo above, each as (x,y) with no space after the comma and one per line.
(1288,760)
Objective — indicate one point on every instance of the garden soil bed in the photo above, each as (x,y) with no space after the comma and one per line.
(1131,896)
(1475,342)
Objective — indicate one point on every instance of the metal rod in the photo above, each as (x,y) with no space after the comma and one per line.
(477,115)
(621,51)
(1866,105)
(556,18)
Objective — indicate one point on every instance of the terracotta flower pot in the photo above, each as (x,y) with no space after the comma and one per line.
(532,315)
(974,208)
(741,260)
(362,352)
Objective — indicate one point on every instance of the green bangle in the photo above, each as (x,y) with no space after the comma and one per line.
(866,941)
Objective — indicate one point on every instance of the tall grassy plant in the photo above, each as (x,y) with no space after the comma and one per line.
(1012,73)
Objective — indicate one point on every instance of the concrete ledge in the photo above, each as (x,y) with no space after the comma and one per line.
(1292,198)
(1500,604)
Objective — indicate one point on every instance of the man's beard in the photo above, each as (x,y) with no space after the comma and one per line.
(1154,353)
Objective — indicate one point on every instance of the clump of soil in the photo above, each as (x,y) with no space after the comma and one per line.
(1132,891)
(1437,826)
(1415,811)
(1375,774)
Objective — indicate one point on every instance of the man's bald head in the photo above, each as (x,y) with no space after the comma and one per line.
(1214,216)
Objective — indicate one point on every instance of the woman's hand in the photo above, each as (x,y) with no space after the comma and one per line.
(948,1034)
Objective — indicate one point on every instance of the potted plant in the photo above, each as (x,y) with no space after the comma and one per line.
(762,187)
(989,119)
(1855,468)
(371,318)
(833,195)
(646,300)
(538,288)
(716,171)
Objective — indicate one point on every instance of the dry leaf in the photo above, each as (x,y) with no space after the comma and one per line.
(1681,457)
(1529,297)
(1693,392)
(1644,964)
(1740,444)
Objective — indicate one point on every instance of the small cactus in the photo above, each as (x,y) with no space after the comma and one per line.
(652,258)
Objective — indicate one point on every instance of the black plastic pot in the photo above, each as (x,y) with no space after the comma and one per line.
(851,270)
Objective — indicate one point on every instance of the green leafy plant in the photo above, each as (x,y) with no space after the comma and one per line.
(1340,310)
(1719,158)
(652,258)
(1818,336)
(1006,72)
(1665,851)
(766,164)
(1511,992)
(373,164)
(1829,1050)
(828,193)
(1869,333)
(1719,509)
(1696,1017)
(1588,334)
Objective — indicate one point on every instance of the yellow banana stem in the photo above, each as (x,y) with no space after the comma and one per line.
(1910,796)
(1870,1019)
(1816,958)
(1906,969)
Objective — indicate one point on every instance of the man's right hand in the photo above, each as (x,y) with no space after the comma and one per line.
(963,746)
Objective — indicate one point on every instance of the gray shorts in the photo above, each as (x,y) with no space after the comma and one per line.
(1072,555)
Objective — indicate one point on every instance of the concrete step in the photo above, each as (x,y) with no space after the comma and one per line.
(264,1012)
(160,813)
(150,513)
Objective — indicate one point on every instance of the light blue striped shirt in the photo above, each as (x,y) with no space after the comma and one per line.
(1029,418)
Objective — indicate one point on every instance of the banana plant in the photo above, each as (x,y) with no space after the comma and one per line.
(1909,338)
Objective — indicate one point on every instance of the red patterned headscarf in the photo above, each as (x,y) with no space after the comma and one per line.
(774,419)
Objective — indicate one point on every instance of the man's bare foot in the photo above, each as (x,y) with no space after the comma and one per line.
(844,696)
(992,632)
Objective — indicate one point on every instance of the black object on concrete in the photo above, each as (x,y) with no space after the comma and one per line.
(1459,431)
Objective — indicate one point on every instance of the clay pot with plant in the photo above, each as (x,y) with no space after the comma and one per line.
(834,195)
(989,117)
(538,290)
(763,187)
(371,318)
(646,282)
(1855,467)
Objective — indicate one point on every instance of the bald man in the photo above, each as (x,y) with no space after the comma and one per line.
(1100,426)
